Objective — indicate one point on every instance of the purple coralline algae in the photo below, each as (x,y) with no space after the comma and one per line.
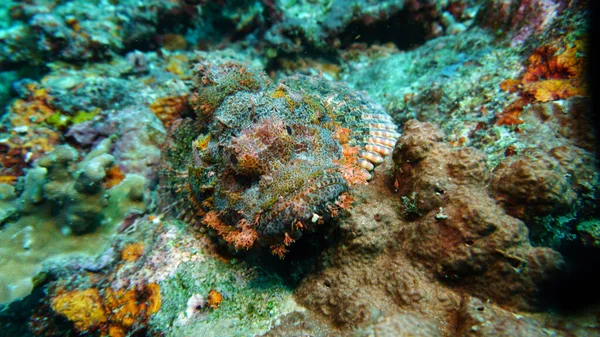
(521,18)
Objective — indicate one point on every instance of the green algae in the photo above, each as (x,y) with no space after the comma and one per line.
(60,120)
(252,299)
(453,81)
(590,230)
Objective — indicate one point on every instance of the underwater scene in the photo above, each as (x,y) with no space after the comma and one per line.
(295,168)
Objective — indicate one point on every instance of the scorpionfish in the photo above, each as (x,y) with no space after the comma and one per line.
(261,163)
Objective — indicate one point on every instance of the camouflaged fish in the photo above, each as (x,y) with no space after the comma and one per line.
(263,163)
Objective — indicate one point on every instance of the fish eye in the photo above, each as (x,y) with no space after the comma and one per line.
(233,159)
(288,129)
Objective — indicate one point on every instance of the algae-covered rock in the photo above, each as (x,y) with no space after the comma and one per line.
(460,232)
(65,207)
(137,135)
(74,192)
(33,190)
(181,288)
(7,205)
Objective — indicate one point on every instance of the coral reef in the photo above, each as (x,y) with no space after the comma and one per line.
(300,323)
(555,164)
(541,105)
(114,313)
(75,197)
(454,81)
(108,312)
(532,183)
(456,87)
(372,279)
(137,134)
(80,31)
(9,208)
(60,196)
(117,294)
(329,24)
(91,104)
(29,137)
(457,229)
(550,75)
(235,168)
(6,78)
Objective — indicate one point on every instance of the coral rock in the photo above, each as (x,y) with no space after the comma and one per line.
(521,18)
(532,183)
(74,193)
(457,228)
(406,325)
(78,198)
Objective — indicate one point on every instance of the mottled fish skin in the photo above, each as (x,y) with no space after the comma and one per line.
(262,163)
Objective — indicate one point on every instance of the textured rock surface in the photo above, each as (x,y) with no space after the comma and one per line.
(80,31)
(132,279)
(533,182)
(521,18)
(76,197)
(330,24)
(137,135)
(61,197)
(458,230)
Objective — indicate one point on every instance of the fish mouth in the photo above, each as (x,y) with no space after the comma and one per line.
(300,210)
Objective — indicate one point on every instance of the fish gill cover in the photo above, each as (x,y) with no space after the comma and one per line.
(297,167)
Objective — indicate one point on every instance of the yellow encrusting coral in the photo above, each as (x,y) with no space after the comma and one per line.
(168,109)
(82,307)
(214,299)
(551,74)
(132,252)
(33,110)
(113,313)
